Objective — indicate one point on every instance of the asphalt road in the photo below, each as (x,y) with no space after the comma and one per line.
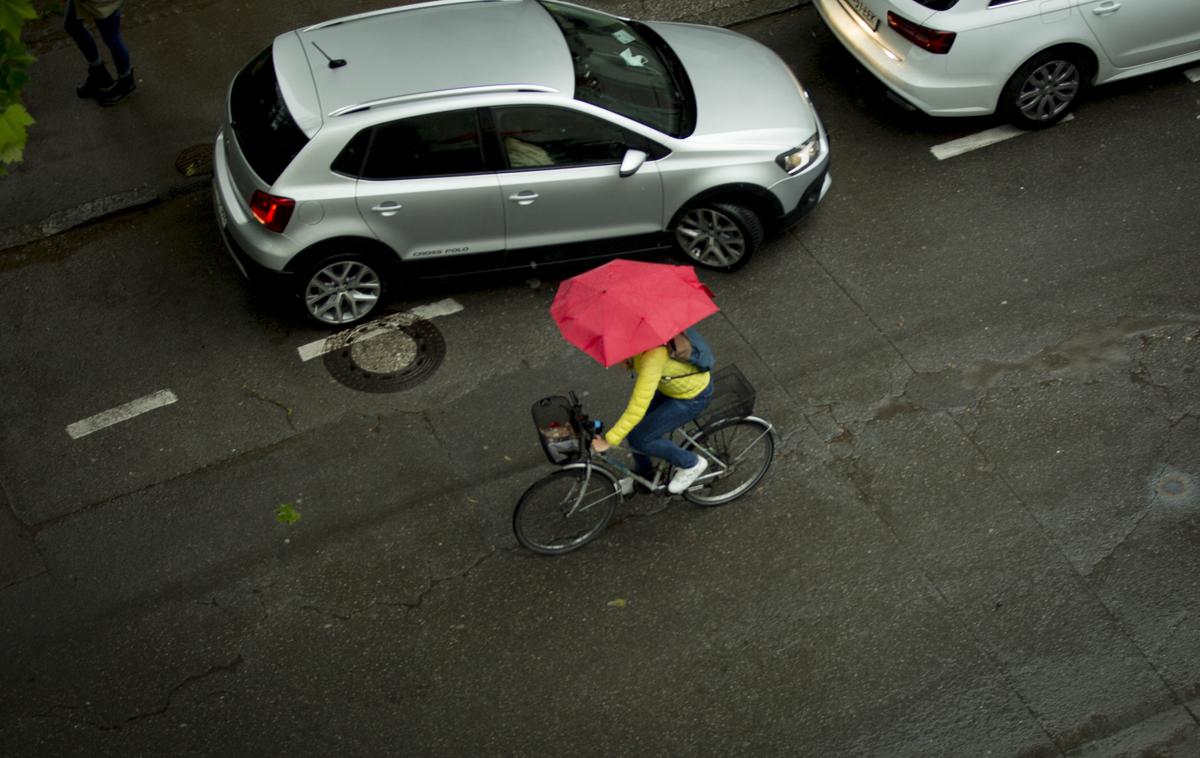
(979,538)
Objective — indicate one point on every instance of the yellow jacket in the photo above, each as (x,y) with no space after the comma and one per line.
(656,371)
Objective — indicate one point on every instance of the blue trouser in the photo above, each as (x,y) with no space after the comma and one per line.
(652,435)
(110,32)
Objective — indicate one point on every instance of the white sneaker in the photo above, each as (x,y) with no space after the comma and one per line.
(685,477)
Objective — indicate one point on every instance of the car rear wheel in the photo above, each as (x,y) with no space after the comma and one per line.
(720,236)
(1044,89)
(340,290)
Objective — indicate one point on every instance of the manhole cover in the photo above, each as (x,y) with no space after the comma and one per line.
(388,355)
(195,160)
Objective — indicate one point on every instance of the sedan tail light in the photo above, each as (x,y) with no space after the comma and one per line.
(922,36)
(272,211)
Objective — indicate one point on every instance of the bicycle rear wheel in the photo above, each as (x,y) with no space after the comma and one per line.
(744,448)
(563,511)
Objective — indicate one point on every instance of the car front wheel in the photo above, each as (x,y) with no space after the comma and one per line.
(341,290)
(1044,89)
(719,236)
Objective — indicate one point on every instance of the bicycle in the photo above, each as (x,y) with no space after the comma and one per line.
(569,507)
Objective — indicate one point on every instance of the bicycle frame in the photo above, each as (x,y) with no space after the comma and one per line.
(618,471)
(691,435)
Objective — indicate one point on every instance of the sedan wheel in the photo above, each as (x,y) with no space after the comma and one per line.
(342,292)
(1042,91)
(718,236)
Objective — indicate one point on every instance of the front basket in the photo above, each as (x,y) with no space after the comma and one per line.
(558,429)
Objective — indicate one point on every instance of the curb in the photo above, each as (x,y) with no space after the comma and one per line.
(714,12)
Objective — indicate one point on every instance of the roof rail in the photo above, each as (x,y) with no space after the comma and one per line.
(481,90)
(397,9)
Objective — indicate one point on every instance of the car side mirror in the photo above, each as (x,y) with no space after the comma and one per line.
(632,161)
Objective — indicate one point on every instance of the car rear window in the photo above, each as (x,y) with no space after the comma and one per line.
(266,132)
(939,5)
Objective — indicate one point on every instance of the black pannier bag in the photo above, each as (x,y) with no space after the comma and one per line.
(558,429)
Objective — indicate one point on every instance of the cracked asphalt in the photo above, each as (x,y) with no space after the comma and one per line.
(979,536)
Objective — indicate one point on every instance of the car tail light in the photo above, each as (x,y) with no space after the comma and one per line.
(922,36)
(272,211)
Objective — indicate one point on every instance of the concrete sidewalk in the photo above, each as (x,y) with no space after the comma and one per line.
(85,162)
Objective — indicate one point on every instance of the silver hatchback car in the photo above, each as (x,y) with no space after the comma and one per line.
(456,137)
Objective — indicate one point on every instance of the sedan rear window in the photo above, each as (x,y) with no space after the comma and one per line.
(626,68)
(266,132)
(939,5)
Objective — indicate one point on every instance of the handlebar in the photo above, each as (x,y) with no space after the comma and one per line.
(590,427)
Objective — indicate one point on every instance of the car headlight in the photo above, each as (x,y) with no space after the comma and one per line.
(796,160)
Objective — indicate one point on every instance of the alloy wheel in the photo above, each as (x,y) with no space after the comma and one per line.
(1049,90)
(710,237)
(342,292)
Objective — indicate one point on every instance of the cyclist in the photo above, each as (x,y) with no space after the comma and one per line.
(668,392)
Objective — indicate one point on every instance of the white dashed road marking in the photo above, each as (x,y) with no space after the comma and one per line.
(976,141)
(1193,74)
(121,413)
(432,310)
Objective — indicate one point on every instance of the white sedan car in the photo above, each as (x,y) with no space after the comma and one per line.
(1027,59)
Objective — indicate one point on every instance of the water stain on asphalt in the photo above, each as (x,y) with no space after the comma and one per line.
(1172,487)
(1081,356)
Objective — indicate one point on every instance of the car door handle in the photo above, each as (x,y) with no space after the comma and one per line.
(524,198)
(387,209)
(1104,9)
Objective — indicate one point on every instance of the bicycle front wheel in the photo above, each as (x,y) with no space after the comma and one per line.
(743,449)
(563,511)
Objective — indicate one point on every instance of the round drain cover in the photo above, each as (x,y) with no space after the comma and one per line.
(388,355)
(195,160)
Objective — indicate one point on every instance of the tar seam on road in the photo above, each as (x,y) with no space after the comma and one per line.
(121,413)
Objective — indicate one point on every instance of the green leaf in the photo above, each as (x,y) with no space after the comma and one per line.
(287,514)
(13,121)
(13,13)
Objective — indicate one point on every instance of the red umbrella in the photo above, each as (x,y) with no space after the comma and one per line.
(624,307)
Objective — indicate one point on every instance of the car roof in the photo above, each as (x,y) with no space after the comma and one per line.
(401,52)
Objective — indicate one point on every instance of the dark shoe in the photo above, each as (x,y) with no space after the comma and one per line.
(119,91)
(98,79)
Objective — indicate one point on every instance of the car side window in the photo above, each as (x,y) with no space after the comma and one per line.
(540,137)
(437,144)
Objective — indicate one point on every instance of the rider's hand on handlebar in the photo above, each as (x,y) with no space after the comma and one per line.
(599,444)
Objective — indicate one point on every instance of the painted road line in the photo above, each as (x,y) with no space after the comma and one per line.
(121,413)
(976,141)
(1193,74)
(432,310)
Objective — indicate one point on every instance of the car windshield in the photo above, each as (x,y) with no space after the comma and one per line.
(626,68)
(266,132)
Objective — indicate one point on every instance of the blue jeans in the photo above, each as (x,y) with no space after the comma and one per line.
(652,435)
(110,32)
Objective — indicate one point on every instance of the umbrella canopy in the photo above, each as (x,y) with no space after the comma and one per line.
(624,307)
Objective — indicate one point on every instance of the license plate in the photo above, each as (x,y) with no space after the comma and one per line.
(865,13)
